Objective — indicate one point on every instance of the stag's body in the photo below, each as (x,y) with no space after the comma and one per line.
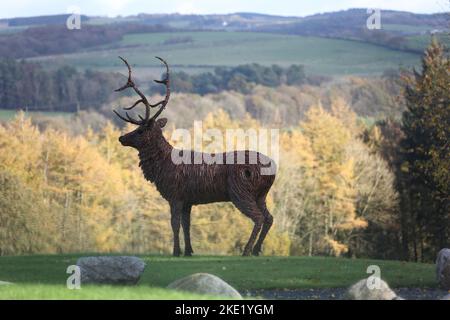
(199,182)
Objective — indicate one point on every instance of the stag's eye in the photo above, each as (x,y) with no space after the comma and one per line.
(140,131)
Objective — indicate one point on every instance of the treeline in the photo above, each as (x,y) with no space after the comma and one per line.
(42,20)
(28,86)
(57,39)
(242,79)
(284,106)
(267,93)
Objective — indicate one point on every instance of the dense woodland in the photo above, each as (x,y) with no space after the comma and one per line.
(241,79)
(28,86)
(32,87)
(346,186)
(264,92)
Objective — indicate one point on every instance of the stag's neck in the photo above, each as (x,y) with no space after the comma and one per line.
(155,159)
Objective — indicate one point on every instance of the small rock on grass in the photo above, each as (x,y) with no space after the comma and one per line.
(361,291)
(111,270)
(205,283)
(443,269)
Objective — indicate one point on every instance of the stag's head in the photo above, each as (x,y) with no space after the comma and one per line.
(147,128)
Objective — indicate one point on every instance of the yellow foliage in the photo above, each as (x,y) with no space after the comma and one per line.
(277,244)
(336,247)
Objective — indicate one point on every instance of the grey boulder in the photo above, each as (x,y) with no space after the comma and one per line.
(111,270)
(361,291)
(443,269)
(205,283)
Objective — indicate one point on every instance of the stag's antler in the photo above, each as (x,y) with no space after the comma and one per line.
(165,82)
(130,84)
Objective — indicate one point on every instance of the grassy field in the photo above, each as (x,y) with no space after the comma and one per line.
(59,292)
(419,42)
(406,28)
(210,49)
(44,277)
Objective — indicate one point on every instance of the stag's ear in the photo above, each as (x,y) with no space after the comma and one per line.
(162,122)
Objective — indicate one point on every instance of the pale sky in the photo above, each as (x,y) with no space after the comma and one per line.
(25,8)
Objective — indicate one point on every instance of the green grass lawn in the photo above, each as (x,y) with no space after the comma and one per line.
(104,292)
(44,277)
(210,49)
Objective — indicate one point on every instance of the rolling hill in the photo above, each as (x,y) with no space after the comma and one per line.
(206,50)
(335,43)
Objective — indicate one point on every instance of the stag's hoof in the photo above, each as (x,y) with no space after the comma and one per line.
(188,252)
(246,254)
(256,250)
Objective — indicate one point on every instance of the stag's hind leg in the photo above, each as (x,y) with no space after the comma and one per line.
(186,224)
(268,221)
(175,212)
(249,208)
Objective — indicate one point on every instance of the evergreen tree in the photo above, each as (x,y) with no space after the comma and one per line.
(426,124)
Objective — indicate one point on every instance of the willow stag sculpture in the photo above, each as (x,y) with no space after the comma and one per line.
(186,184)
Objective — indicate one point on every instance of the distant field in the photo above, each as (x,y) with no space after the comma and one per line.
(210,49)
(422,41)
(6,114)
(406,28)
(9,30)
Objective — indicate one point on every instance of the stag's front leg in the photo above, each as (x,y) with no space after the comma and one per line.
(175,212)
(186,224)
